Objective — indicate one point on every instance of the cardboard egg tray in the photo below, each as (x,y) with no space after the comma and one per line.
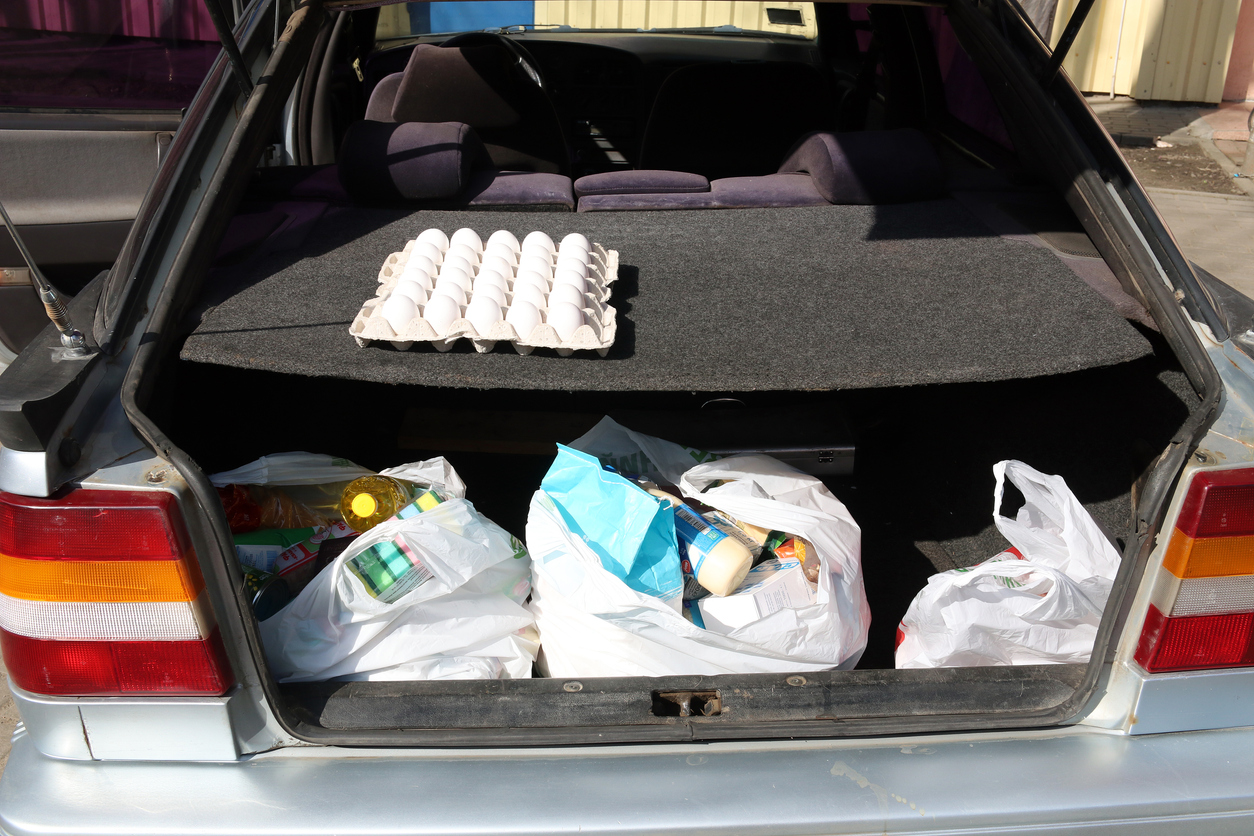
(597,334)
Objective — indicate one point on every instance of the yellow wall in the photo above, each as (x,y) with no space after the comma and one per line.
(638,14)
(669,14)
(1175,50)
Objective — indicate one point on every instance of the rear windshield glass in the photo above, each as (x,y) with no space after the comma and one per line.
(700,16)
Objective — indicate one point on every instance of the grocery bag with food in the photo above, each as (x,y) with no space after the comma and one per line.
(434,592)
(1038,602)
(802,607)
(287,511)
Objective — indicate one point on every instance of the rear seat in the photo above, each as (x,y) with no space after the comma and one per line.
(438,165)
(865,167)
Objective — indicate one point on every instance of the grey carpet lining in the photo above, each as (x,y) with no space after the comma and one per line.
(818,298)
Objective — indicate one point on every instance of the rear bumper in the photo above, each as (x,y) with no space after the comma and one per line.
(1037,782)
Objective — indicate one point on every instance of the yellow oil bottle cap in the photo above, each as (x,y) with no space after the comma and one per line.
(364,505)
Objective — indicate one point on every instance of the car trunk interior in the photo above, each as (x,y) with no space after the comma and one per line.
(920,488)
(908,346)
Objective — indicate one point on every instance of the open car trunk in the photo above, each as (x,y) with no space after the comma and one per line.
(923,341)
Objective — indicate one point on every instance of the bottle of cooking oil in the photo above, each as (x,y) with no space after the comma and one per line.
(370,500)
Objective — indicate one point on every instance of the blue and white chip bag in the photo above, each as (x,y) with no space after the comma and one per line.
(632,532)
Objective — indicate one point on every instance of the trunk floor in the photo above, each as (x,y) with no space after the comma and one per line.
(820,298)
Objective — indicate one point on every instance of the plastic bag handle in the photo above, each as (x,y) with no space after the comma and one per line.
(1003,568)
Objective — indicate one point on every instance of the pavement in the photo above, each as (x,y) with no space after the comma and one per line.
(8,717)
(1190,159)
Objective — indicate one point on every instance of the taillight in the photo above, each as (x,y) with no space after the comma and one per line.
(100,594)
(1202,611)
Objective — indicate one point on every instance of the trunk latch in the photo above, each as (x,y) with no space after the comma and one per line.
(687,703)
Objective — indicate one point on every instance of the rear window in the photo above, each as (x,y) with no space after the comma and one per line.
(404,20)
(124,54)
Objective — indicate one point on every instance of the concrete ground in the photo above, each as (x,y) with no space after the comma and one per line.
(1190,159)
(8,717)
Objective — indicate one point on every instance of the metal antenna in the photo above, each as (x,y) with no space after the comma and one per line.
(73,339)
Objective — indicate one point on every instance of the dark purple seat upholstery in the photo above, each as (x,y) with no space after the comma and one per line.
(379,108)
(768,191)
(481,86)
(387,162)
(438,164)
(641,182)
(869,167)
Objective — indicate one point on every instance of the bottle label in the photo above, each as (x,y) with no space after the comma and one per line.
(696,537)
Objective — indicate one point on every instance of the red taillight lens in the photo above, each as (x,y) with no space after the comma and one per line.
(109,668)
(1195,642)
(1202,612)
(101,595)
(92,525)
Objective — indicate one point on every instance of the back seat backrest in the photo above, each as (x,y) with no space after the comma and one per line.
(869,167)
(866,167)
(481,86)
(440,164)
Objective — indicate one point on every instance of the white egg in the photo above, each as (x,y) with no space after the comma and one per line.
(489,291)
(456,276)
(539,265)
(500,265)
(413,290)
(483,313)
(434,237)
(541,238)
(456,263)
(450,289)
(419,269)
(462,251)
(440,312)
(575,238)
(488,277)
(574,251)
(469,237)
(570,262)
(501,250)
(571,279)
(398,311)
(524,316)
(504,236)
(429,251)
(537,249)
(565,318)
(531,294)
(531,277)
(565,293)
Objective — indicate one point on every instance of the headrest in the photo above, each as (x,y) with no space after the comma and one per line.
(472,84)
(386,162)
(642,181)
(869,167)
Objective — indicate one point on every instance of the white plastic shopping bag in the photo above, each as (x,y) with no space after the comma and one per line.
(460,614)
(1038,603)
(592,624)
(299,468)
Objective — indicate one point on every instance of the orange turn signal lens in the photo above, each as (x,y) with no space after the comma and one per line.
(100,580)
(1209,557)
